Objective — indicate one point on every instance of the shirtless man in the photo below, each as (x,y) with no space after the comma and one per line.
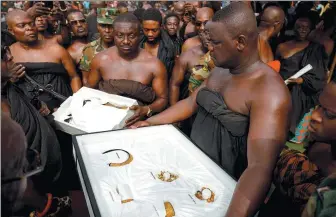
(47,63)
(81,36)
(202,17)
(245,103)
(190,70)
(41,24)
(271,23)
(126,67)
(156,41)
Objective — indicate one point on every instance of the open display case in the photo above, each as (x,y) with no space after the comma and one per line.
(90,110)
(150,172)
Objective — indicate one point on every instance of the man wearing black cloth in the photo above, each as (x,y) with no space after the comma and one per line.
(242,109)
(171,25)
(157,42)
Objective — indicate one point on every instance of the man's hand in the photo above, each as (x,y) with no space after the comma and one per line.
(295,80)
(44,110)
(16,71)
(38,9)
(140,124)
(139,113)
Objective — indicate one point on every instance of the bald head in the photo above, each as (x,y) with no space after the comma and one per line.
(233,35)
(205,12)
(179,6)
(273,16)
(238,18)
(22,26)
(13,16)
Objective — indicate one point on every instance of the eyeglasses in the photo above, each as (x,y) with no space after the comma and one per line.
(32,167)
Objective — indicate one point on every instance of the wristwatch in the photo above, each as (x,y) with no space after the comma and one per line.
(150,112)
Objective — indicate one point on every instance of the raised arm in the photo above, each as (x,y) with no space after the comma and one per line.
(267,135)
(68,64)
(94,76)
(177,79)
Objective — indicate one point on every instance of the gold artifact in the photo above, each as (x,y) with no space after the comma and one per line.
(167,176)
(126,201)
(209,198)
(129,160)
(169,209)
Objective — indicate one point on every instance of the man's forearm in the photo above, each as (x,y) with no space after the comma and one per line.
(250,192)
(158,105)
(179,112)
(174,95)
(76,84)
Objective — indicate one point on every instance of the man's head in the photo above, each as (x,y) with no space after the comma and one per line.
(77,23)
(126,34)
(105,19)
(273,17)
(179,8)
(233,35)
(171,23)
(322,126)
(13,152)
(302,28)
(54,22)
(22,26)
(41,23)
(203,15)
(122,7)
(151,24)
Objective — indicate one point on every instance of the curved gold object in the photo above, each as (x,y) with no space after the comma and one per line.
(172,176)
(126,201)
(209,200)
(169,209)
(129,160)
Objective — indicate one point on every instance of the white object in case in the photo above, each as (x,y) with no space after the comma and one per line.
(94,116)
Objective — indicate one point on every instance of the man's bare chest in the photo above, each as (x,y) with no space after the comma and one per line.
(135,71)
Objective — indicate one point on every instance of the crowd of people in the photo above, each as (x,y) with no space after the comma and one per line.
(216,70)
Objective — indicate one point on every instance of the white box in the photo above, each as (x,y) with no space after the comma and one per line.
(93,117)
(153,149)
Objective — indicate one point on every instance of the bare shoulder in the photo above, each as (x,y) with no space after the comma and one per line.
(109,53)
(270,88)
(54,47)
(283,47)
(191,42)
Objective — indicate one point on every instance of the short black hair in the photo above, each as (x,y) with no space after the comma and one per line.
(127,18)
(121,4)
(152,14)
(171,14)
(139,13)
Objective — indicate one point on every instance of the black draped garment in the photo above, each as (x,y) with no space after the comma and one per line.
(220,132)
(53,74)
(40,135)
(144,94)
(305,96)
(167,51)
